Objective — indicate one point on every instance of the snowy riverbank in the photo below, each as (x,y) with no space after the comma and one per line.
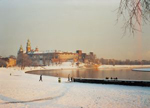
(22,90)
(68,65)
(123,66)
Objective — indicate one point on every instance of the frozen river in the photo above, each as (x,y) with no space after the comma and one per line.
(126,74)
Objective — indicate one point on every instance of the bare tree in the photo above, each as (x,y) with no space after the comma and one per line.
(23,60)
(135,13)
(2,63)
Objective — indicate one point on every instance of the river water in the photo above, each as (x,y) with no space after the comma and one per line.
(125,73)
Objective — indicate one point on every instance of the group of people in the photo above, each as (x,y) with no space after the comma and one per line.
(69,79)
(111,78)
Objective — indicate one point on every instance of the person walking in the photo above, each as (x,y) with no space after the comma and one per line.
(40,78)
(59,80)
(69,77)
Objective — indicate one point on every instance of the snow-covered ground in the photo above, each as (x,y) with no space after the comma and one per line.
(22,90)
(65,65)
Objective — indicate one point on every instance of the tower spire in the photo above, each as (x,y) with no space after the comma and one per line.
(28,47)
(20,49)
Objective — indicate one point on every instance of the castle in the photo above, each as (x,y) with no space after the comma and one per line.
(50,57)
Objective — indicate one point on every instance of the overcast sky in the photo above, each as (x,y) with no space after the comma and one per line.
(68,25)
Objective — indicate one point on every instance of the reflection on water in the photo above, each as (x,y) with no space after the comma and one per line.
(96,73)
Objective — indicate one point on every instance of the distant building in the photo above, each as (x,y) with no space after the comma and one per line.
(50,57)
(8,62)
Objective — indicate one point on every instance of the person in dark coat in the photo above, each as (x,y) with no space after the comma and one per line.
(69,77)
(40,78)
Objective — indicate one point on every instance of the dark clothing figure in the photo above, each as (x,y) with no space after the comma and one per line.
(40,78)
(69,77)
(107,78)
(59,80)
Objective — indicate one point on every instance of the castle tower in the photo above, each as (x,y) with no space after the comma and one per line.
(28,47)
(20,49)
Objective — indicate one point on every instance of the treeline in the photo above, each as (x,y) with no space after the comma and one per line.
(124,62)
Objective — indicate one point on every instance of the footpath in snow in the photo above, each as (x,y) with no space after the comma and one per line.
(20,90)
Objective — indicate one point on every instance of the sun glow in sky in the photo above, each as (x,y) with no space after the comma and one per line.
(68,25)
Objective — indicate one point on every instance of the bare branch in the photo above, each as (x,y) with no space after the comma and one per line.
(135,13)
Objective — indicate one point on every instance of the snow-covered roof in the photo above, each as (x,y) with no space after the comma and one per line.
(47,51)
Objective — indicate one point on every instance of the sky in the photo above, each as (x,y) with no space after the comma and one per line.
(69,25)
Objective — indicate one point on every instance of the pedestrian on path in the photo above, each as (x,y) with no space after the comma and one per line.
(40,78)
(69,77)
(59,80)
